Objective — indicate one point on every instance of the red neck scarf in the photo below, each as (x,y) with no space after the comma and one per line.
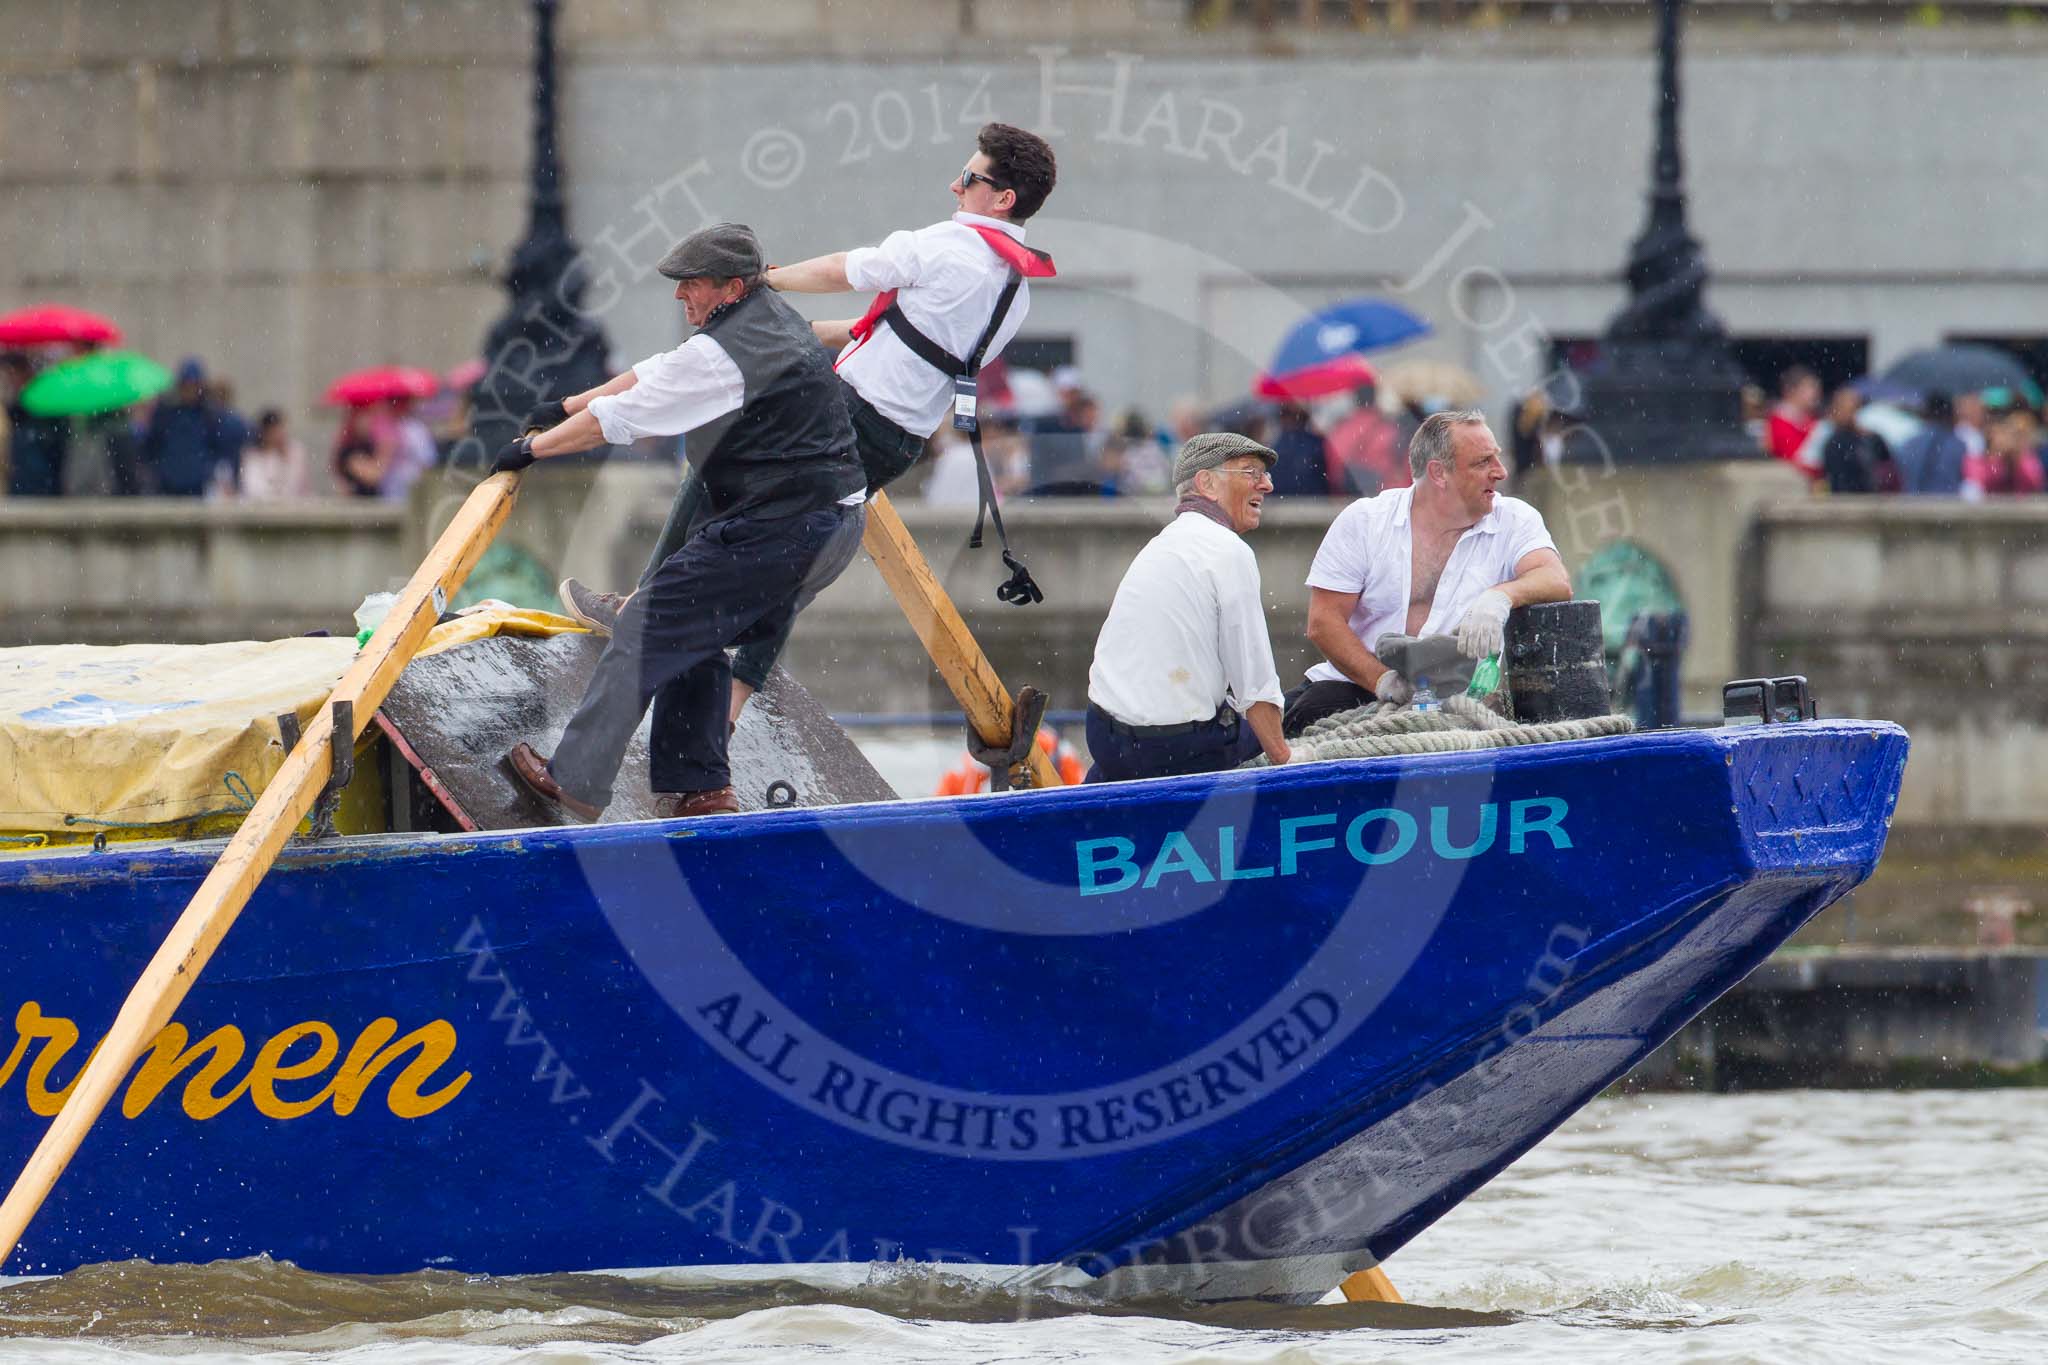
(1026,261)
(1208,507)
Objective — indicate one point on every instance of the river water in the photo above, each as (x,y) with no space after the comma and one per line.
(1801,1226)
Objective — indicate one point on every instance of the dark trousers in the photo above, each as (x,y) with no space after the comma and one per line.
(1312,701)
(1208,746)
(885,449)
(739,580)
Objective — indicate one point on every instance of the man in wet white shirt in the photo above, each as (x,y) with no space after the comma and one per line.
(1183,678)
(1451,555)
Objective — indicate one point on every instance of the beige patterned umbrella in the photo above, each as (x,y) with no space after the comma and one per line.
(1421,382)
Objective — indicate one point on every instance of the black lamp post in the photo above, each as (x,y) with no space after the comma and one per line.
(544,346)
(1667,387)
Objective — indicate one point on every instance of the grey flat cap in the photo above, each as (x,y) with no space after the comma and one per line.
(1209,451)
(723,251)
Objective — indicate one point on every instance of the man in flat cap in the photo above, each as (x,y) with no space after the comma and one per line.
(1183,678)
(783,490)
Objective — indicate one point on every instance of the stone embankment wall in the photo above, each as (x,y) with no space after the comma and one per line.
(1930,613)
(127,571)
(289,189)
(1935,615)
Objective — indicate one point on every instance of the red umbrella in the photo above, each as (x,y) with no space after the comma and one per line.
(1320,380)
(52,322)
(465,375)
(374,385)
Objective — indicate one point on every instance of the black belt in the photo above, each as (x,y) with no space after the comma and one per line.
(1186,727)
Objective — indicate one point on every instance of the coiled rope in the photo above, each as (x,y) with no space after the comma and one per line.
(1378,730)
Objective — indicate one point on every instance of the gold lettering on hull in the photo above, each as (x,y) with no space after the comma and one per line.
(281,1082)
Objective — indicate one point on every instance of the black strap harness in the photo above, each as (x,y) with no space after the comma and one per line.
(1019,590)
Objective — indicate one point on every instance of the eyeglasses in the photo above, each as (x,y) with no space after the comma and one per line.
(1255,472)
(967,179)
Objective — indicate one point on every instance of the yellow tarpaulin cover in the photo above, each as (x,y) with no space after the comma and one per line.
(120,735)
(493,618)
(147,734)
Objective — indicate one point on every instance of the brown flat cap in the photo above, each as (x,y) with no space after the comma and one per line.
(722,251)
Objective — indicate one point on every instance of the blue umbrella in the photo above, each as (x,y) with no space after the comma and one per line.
(1959,367)
(1876,389)
(1317,356)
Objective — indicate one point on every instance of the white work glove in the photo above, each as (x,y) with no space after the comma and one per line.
(1484,629)
(1393,689)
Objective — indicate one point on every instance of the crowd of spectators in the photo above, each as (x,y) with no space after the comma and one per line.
(1346,447)
(192,441)
(1973,444)
(1050,438)
(1970,445)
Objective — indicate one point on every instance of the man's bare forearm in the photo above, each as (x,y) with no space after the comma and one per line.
(834,334)
(580,432)
(1346,651)
(1544,583)
(1265,723)
(818,275)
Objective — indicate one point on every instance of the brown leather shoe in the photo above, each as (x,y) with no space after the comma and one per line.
(681,805)
(532,771)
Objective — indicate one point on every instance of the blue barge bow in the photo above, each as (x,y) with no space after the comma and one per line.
(1219,1036)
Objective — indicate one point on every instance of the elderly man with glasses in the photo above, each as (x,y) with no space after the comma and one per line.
(1183,679)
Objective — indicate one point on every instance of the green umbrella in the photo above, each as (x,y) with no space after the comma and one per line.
(99,382)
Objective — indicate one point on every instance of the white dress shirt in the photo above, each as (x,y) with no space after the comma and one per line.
(950,280)
(675,392)
(1369,550)
(1186,631)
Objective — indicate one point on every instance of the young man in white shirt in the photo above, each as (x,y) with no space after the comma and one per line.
(939,289)
(1449,555)
(1183,678)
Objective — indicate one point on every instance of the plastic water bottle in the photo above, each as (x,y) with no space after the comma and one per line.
(1425,698)
(371,614)
(374,609)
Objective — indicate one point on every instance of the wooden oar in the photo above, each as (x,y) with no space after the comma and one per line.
(946,637)
(255,847)
(1370,1286)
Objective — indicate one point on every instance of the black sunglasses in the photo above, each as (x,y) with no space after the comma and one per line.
(967,179)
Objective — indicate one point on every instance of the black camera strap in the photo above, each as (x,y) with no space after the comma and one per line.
(1019,589)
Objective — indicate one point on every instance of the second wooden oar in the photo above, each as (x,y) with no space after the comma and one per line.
(255,846)
(946,638)
(1370,1286)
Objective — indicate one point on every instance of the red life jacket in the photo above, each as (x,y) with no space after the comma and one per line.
(1022,260)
